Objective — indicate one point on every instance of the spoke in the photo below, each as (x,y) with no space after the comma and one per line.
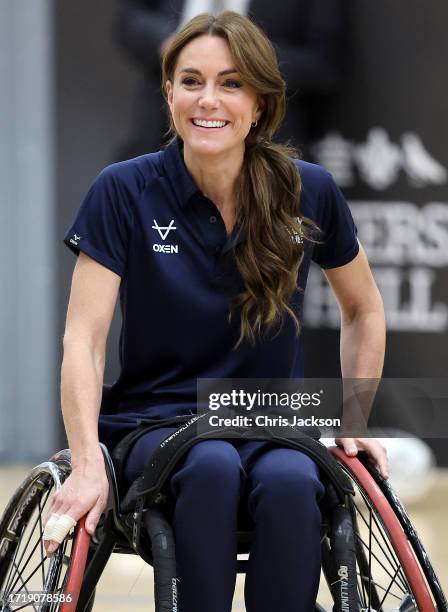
(363,584)
(60,564)
(388,589)
(379,562)
(392,561)
(30,535)
(41,539)
(27,561)
(377,585)
(395,567)
(393,558)
(361,595)
(13,563)
(25,606)
(359,554)
(34,571)
(23,585)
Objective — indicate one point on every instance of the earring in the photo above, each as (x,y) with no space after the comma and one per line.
(255,123)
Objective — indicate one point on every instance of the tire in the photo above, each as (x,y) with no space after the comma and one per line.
(25,570)
(394,572)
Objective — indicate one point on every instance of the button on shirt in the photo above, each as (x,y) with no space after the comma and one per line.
(146,220)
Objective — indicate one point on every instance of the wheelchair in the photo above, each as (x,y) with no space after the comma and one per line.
(393,571)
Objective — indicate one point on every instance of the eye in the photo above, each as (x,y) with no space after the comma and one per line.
(232,84)
(189,81)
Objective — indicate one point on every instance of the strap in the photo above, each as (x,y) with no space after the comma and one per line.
(174,447)
(122,449)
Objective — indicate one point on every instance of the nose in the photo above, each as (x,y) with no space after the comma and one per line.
(208,98)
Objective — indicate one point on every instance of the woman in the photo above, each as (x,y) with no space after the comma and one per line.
(209,243)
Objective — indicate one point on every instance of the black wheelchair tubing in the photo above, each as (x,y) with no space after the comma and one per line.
(409,531)
(163,550)
(411,534)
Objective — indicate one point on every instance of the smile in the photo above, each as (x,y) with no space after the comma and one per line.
(202,123)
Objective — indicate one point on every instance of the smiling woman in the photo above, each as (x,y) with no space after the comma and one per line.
(227,98)
(205,101)
(208,243)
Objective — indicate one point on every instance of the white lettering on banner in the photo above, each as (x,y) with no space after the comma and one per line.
(403,233)
(406,246)
(417,313)
(379,161)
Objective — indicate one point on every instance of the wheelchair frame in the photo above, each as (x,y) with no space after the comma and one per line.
(88,556)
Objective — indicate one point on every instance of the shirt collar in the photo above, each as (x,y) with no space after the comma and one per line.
(185,188)
(181,180)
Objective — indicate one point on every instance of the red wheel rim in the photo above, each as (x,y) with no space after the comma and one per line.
(75,576)
(397,536)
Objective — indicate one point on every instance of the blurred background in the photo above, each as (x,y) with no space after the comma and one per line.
(368,97)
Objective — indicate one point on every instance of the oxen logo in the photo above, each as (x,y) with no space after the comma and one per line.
(164,230)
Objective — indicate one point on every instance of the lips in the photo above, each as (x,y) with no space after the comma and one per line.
(213,123)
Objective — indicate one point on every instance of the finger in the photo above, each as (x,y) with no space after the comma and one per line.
(349,446)
(93,518)
(377,455)
(59,531)
(55,507)
(47,534)
(383,463)
(49,525)
(62,528)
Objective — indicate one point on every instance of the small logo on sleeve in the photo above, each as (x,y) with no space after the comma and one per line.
(75,239)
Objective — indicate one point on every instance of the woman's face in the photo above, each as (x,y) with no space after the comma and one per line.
(207,88)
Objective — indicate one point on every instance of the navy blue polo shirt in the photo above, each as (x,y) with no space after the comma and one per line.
(146,220)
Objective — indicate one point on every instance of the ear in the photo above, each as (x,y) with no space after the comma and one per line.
(260,107)
(169,93)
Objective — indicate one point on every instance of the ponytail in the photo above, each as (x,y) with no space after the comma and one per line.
(269,259)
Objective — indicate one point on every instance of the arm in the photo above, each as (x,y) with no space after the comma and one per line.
(363,327)
(363,337)
(92,301)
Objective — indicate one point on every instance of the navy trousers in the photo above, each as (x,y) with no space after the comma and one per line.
(278,487)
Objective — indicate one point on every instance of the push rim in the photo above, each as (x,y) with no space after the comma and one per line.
(389,576)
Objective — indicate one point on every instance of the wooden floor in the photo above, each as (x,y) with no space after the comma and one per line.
(126,584)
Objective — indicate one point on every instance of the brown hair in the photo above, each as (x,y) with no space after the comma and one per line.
(269,186)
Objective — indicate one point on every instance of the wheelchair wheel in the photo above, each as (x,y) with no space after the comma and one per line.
(393,570)
(28,579)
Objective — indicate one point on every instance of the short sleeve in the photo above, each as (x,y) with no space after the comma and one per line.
(102,226)
(339,238)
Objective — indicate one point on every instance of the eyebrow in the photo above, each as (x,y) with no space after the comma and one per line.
(222,73)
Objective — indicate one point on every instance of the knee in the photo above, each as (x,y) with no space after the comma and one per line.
(214,464)
(287,478)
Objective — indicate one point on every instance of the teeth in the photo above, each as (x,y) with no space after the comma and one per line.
(209,124)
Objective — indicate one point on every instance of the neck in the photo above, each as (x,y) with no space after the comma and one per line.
(216,176)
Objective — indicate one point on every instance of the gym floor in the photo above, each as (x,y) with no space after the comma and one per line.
(127,581)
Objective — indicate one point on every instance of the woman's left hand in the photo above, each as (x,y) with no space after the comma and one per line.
(376,451)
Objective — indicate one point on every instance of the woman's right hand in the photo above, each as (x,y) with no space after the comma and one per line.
(85,492)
